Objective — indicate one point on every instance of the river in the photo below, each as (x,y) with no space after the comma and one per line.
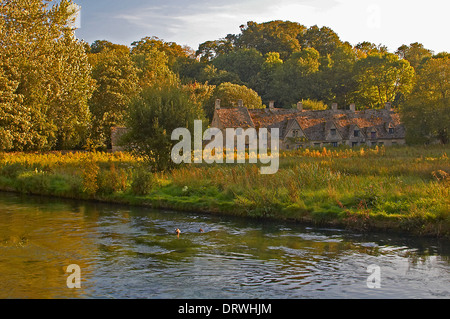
(133,252)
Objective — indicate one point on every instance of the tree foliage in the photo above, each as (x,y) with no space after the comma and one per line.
(381,78)
(153,115)
(50,74)
(426,113)
(229,94)
(415,53)
(116,83)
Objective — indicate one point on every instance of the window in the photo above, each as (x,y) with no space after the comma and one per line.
(356,133)
(391,130)
(239,131)
(373,134)
(334,144)
(333,132)
(354,144)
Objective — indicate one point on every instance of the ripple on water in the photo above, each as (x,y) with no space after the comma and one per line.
(134,253)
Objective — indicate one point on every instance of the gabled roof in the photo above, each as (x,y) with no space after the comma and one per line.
(290,125)
(235,117)
(315,124)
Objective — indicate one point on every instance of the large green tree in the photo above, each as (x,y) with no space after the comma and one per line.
(246,63)
(381,78)
(229,94)
(414,53)
(39,54)
(297,79)
(153,115)
(426,113)
(15,119)
(274,36)
(116,83)
(266,82)
(323,39)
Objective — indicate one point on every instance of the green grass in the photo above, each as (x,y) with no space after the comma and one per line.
(400,188)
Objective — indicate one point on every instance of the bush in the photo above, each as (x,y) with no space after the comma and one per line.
(89,174)
(112,180)
(143,181)
(12,170)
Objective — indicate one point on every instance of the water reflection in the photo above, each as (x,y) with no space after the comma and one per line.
(128,252)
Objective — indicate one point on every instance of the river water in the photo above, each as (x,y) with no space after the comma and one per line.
(133,252)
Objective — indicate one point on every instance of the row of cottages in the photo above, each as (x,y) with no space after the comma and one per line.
(300,128)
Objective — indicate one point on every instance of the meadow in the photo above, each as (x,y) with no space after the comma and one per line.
(400,188)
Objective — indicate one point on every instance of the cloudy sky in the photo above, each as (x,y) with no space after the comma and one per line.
(389,22)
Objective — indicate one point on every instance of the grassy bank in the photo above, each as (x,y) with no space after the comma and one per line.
(403,188)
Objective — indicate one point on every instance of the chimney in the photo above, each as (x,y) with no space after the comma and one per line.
(217,104)
(300,106)
(334,107)
(352,107)
(271,104)
(388,106)
(240,103)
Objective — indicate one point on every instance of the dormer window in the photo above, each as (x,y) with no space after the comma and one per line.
(356,133)
(373,135)
(391,130)
(333,132)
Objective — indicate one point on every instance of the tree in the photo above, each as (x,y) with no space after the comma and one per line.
(337,78)
(15,119)
(297,79)
(366,48)
(265,83)
(274,36)
(99,46)
(48,67)
(116,83)
(229,94)
(153,115)
(414,53)
(246,63)
(211,75)
(153,65)
(382,78)
(324,40)
(172,50)
(210,50)
(426,113)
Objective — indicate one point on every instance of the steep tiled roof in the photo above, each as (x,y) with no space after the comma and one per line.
(316,124)
(235,117)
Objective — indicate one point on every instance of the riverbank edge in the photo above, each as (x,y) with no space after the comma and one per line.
(358,222)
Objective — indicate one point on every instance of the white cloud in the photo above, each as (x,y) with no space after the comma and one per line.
(388,22)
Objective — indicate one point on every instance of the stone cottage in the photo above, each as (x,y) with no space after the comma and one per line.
(301,128)
(328,128)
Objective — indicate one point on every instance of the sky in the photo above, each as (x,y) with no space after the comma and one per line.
(192,22)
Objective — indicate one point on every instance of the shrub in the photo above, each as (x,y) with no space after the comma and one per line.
(12,170)
(90,174)
(143,181)
(112,180)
